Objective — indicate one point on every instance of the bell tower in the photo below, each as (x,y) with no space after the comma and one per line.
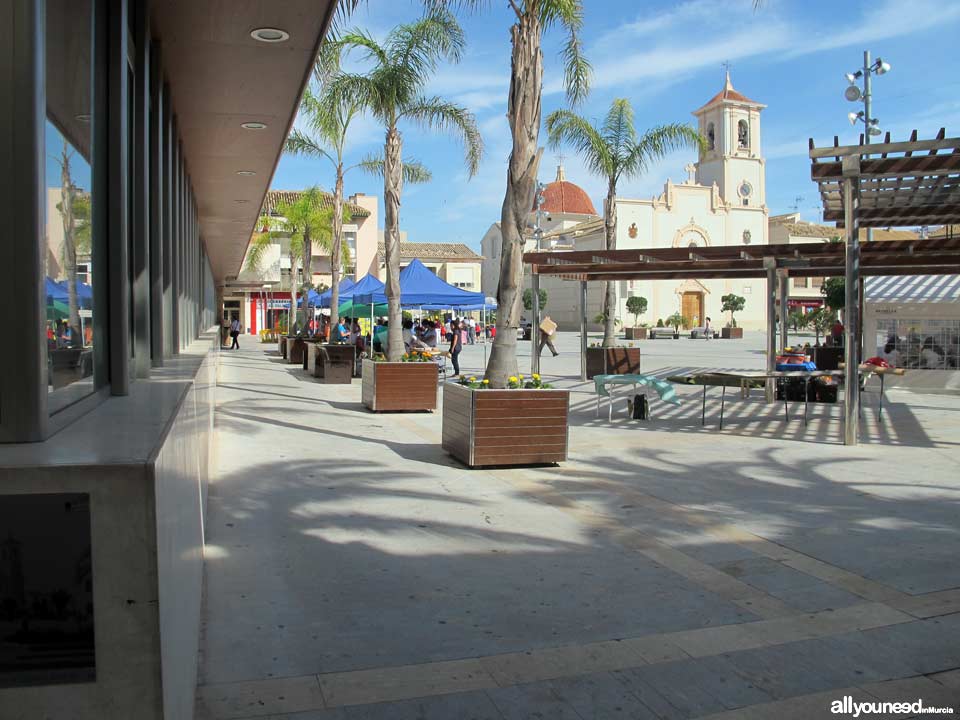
(730,124)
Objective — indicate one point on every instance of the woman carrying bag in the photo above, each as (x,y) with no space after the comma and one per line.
(456,344)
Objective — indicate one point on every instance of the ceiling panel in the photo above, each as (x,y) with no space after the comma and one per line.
(221,77)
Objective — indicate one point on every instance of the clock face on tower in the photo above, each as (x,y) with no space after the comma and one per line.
(691,238)
(745,189)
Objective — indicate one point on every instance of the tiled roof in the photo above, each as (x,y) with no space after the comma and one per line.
(828,231)
(562,196)
(437,251)
(730,95)
(275,198)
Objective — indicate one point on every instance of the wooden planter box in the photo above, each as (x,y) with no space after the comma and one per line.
(505,427)
(333,364)
(390,386)
(613,361)
(731,333)
(296,347)
(635,333)
(306,355)
(282,346)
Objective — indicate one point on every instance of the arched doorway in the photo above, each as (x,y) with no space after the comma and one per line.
(693,301)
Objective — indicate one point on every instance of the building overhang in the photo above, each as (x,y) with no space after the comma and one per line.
(220,77)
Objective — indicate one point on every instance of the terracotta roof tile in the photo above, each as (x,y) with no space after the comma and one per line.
(439,251)
(274,198)
(728,94)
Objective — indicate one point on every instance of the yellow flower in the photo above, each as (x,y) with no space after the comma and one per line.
(473,378)
(521,377)
(513,378)
(536,376)
(486,382)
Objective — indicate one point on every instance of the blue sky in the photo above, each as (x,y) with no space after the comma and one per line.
(666,58)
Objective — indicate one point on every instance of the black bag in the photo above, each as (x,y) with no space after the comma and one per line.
(641,409)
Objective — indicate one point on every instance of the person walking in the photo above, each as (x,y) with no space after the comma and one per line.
(235,333)
(707,331)
(456,345)
(471,331)
(548,329)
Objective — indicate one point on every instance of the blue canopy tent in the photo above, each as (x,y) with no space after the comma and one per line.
(313,298)
(60,291)
(419,287)
(345,285)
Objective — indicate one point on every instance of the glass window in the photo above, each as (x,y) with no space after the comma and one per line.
(69,265)
(919,344)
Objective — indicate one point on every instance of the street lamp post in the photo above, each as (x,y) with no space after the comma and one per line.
(535,288)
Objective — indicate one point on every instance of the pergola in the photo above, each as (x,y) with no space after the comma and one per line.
(901,187)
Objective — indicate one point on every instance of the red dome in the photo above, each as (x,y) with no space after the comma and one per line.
(561,196)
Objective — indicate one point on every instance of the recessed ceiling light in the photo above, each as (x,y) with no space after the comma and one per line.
(246,172)
(83,117)
(253,126)
(270,35)
(241,202)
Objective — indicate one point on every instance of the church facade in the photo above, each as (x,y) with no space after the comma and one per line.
(720,203)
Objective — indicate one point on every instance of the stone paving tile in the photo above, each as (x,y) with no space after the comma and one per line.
(518,668)
(922,644)
(535,701)
(781,672)
(678,683)
(950,679)
(814,706)
(399,683)
(600,696)
(866,652)
(458,706)
(718,553)
(912,689)
(259,697)
(650,696)
(767,575)
(817,597)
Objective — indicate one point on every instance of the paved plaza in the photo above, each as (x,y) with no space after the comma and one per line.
(667,570)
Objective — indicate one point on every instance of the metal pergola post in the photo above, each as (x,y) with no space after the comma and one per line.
(771,267)
(583,330)
(851,332)
(783,281)
(535,324)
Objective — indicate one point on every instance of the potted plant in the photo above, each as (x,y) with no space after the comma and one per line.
(523,424)
(732,304)
(676,321)
(410,384)
(636,306)
(618,360)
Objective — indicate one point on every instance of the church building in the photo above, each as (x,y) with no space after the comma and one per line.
(721,202)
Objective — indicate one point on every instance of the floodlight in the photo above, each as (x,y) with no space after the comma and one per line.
(853,117)
(852,77)
(873,130)
(852,93)
(882,68)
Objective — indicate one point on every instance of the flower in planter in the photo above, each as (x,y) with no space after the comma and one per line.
(472,383)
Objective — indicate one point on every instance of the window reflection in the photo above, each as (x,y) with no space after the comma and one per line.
(919,344)
(68,261)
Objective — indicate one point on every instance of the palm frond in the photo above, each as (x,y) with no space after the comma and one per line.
(657,142)
(445,116)
(414,171)
(259,244)
(576,68)
(566,127)
(299,143)
(618,130)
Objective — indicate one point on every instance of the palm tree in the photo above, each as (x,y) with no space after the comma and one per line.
(74,209)
(327,118)
(307,222)
(614,151)
(532,17)
(392,90)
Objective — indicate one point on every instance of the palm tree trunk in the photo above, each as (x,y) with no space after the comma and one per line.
(337,241)
(69,246)
(292,314)
(392,187)
(523,113)
(609,287)
(307,278)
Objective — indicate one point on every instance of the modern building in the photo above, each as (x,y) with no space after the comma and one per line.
(721,202)
(263,292)
(137,138)
(454,263)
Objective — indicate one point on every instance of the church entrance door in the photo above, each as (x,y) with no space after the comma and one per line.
(692,308)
